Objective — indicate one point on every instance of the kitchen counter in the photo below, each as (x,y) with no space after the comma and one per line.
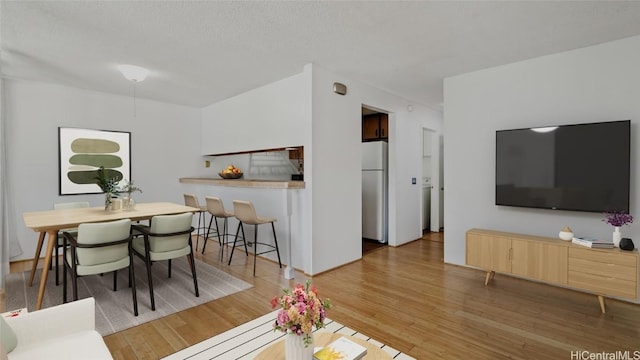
(248,183)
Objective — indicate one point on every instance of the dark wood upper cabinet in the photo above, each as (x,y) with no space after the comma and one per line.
(375,127)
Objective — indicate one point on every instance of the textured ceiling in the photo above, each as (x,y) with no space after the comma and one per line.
(200,52)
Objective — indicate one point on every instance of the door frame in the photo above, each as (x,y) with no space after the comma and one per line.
(436,176)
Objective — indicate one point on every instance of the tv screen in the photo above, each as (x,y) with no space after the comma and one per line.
(582,167)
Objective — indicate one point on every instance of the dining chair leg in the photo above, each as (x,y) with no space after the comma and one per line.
(132,281)
(190,259)
(198,230)
(193,272)
(64,279)
(74,276)
(169,275)
(275,240)
(115,280)
(148,264)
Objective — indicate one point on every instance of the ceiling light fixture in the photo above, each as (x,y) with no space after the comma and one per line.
(544,129)
(134,74)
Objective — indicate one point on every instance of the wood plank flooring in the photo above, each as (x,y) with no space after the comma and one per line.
(409,299)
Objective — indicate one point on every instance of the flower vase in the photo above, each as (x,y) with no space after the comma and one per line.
(107,201)
(617,235)
(295,349)
(127,202)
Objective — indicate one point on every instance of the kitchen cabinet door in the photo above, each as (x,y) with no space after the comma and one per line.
(375,127)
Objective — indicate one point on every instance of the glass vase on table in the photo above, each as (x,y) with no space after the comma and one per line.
(108,204)
(128,203)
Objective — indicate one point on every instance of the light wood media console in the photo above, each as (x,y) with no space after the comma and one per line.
(603,272)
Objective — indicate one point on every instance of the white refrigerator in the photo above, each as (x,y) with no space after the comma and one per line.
(374,191)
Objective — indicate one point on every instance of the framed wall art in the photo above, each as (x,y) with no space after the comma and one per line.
(81,152)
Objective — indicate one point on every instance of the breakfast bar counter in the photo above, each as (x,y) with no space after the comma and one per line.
(283,200)
(248,183)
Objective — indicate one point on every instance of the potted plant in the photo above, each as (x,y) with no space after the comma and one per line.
(109,186)
(128,188)
(617,219)
(301,310)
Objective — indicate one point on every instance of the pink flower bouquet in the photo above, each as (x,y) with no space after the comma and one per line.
(302,309)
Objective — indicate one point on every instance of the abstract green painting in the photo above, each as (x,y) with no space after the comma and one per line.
(83,151)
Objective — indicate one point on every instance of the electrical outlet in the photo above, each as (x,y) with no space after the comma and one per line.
(207,163)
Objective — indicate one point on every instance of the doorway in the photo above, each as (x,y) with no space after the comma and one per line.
(374,166)
(432,178)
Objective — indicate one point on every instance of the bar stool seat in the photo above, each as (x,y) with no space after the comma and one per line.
(216,209)
(246,214)
(192,201)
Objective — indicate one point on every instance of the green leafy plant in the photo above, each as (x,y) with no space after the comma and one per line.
(129,187)
(107,185)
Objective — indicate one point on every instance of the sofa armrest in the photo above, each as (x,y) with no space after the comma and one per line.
(53,322)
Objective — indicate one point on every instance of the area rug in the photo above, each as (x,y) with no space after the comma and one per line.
(114,309)
(249,339)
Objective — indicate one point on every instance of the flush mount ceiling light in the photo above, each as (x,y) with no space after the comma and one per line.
(544,129)
(133,73)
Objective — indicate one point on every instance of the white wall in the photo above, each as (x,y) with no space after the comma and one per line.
(598,83)
(337,157)
(34,111)
(271,116)
(303,110)
(163,154)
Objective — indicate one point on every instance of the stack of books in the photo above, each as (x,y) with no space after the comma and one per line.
(593,243)
(341,349)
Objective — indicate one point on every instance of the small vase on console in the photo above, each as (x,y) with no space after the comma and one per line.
(617,235)
(617,219)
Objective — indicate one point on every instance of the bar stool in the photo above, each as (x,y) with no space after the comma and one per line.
(246,213)
(192,201)
(216,209)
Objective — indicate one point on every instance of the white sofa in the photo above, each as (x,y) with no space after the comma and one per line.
(65,331)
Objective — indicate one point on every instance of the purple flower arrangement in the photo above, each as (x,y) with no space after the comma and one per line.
(618,218)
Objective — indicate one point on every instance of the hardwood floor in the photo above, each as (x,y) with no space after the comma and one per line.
(409,299)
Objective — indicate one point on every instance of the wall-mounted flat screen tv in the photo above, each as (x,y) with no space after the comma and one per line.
(581,167)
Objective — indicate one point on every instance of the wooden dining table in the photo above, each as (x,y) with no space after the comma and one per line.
(50,222)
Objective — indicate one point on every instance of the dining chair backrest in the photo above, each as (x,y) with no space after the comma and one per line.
(191,200)
(245,212)
(215,206)
(99,233)
(168,224)
(71,205)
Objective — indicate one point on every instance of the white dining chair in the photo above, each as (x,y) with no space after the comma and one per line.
(168,237)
